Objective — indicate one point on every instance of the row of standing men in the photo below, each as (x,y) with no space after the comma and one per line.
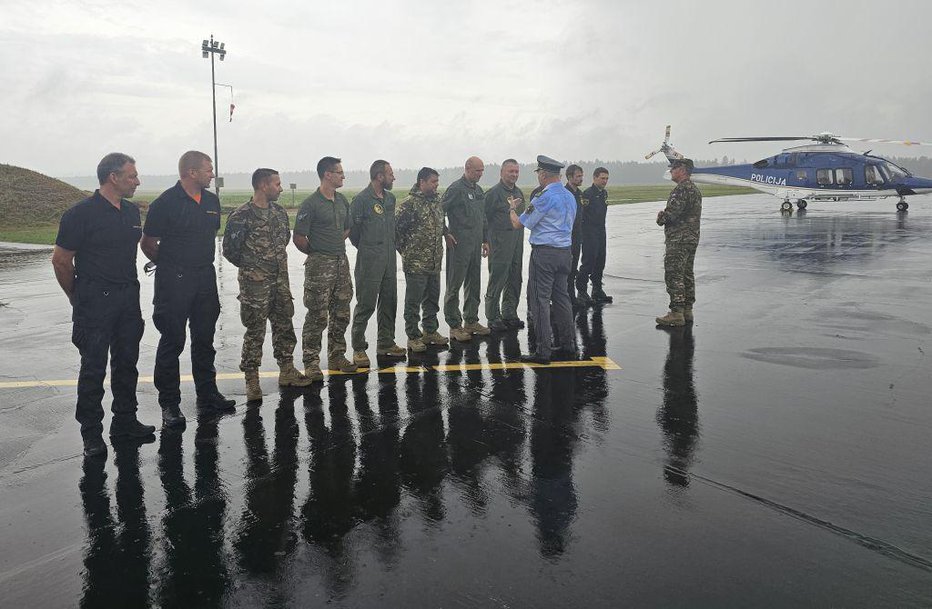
(95,264)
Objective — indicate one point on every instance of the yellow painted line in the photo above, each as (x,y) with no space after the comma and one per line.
(595,362)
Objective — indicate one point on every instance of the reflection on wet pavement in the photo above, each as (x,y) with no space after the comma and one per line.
(781,438)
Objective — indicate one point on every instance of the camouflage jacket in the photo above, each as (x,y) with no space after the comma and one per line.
(681,216)
(419,233)
(255,240)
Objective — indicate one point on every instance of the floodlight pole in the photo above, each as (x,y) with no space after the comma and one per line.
(212,48)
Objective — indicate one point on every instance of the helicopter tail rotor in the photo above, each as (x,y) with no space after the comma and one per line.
(666,148)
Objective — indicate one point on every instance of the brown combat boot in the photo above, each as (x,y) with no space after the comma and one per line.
(289,376)
(339,362)
(688,314)
(460,334)
(435,338)
(477,329)
(417,345)
(392,351)
(673,319)
(253,390)
(313,372)
(361,359)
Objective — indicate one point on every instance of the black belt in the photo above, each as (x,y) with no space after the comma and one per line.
(550,247)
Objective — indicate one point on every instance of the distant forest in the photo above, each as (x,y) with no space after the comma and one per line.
(620,172)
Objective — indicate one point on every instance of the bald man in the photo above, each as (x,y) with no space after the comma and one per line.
(467,243)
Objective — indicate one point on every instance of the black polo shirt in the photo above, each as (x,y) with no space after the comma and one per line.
(103,238)
(186,229)
(595,206)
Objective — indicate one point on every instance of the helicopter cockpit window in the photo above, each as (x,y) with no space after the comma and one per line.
(872,175)
(825,177)
(761,163)
(844,176)
(893,171)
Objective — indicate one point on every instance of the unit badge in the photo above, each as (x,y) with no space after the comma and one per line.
(584,201)
(377,208)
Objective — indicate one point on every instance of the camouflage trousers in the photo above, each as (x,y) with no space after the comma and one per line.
(328,291)
(261,299)
(678,272)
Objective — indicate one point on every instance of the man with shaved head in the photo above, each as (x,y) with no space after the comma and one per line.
(467,243)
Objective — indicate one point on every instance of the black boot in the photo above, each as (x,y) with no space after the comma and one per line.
(172,417)
(129,427)
(582,298)
(217,401)
(600,297)
(94,446)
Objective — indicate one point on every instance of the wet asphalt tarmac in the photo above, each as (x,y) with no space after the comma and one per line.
(774,454)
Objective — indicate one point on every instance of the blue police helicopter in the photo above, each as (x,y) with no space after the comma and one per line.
(826,170)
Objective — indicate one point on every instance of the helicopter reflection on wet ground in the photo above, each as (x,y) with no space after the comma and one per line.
(775,453)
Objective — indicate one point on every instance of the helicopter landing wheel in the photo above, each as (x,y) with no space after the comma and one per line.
(801,204)
(786,206)
(902,206)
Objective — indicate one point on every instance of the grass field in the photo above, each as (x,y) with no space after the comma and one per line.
(617,195)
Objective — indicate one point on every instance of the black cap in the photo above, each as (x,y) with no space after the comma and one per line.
(545,163)
(688,163)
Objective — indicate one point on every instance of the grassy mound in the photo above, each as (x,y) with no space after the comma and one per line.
(30,199)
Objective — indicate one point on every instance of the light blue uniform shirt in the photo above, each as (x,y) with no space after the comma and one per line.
(551,220)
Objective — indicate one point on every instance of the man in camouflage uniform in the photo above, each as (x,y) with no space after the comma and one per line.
(254,240)
(506,250)
(320,230)
(680,222)
(373,234)
(467,244)
(419,232)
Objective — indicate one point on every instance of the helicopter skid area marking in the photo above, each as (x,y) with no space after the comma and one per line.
(810,194)
(595,362)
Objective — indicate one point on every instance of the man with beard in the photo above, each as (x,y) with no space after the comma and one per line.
(506,257)
(373,233)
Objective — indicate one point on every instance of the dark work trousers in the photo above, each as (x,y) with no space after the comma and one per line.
(107,319)
(546,287)
(574,271)
(593,260)
(184,296)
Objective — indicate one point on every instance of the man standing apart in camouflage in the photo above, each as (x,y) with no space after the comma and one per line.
(255,239)
(574,179)
(507,250)
(594,207)
(419,231)
(680,222)
(373,233)
(320,230)
(467,244)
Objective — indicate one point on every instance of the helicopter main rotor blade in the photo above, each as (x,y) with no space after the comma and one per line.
(761,139)
(883,141)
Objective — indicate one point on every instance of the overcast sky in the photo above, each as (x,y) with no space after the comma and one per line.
(431,82)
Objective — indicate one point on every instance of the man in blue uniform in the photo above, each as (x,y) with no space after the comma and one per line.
(95,264)
(550,218)
(180,236)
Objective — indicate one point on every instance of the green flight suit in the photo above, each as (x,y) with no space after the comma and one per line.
(463,203)
(373,234)
(506,255)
